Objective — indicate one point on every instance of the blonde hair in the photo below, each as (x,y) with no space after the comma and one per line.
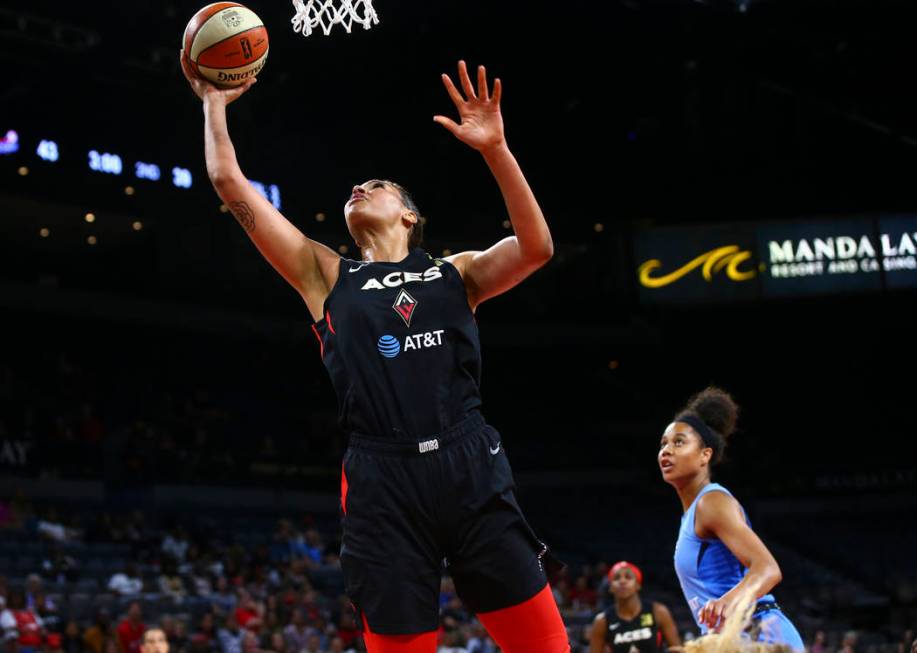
(729,639)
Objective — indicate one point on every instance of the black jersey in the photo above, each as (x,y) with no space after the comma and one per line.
(639,635)
(401,345)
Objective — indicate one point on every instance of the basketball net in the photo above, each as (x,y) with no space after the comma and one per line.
(328,13)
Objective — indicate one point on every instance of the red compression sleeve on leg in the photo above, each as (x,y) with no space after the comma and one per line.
(533,626)
(422,643)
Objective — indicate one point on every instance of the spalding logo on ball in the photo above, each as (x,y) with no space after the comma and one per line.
(226,43)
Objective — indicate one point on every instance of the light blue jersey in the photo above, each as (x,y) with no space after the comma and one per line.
(707,569)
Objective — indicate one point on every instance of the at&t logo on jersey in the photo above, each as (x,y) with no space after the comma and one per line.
(633,636)
(390,347)
(395,279)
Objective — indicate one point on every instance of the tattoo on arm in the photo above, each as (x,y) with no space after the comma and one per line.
(244,215)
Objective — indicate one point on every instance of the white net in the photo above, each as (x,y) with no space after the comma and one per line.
(328,13)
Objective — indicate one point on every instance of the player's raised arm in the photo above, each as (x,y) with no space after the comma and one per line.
(310,267)
(502,266)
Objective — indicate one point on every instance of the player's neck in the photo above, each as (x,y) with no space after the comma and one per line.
(376,249)
(629,607)
(689,491)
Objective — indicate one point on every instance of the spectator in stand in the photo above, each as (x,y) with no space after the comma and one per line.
(480,642)
(582,596)
(314,644)
(32,589)
(313,548)
(280,551)
(336,645)
(126,583)
(171,584)
(451,643)
(204,639)
(200,581)
(72,641)
(21,625)
(250,643)
(297,632)
(53,643)
(175,545)
(176,634)
(224,599)
(277,644)
(561,592)
(154,640)
(95,637)
(818,643)
(230,636)
(849,643)
(40,604)
(60,567)
(47,610)
(347,629)
(130,630)
(55,530)
(249,613)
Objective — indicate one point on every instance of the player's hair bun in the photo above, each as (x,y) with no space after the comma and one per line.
(717,408)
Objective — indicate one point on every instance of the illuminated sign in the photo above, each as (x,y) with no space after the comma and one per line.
(47,150)
(147,171)
(113,164)
(105,162)
(777,259)
(898,238)
(729,257)
(814,258)
(9,143)
(679,265)
(181,178)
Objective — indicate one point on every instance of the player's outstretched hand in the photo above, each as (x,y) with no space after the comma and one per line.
(209,92)
(481,122)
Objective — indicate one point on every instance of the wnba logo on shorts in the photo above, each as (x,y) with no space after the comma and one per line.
(428,445)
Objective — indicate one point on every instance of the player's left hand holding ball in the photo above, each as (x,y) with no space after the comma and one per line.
(207,91)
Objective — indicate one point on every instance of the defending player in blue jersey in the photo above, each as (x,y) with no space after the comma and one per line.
(718,556)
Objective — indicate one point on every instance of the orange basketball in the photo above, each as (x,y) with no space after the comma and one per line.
(226,43)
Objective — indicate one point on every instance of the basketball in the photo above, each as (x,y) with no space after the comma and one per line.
(226,43)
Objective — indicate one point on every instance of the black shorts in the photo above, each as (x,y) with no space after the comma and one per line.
(412,507)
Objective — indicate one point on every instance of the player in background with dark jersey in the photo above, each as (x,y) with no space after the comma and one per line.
(425,479)
(718,557)
(629,626)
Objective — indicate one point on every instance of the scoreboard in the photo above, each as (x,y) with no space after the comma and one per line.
(105,162)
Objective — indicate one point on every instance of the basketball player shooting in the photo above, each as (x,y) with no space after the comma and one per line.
(424,478)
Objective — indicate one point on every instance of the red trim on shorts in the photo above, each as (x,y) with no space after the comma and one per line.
(344,487)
